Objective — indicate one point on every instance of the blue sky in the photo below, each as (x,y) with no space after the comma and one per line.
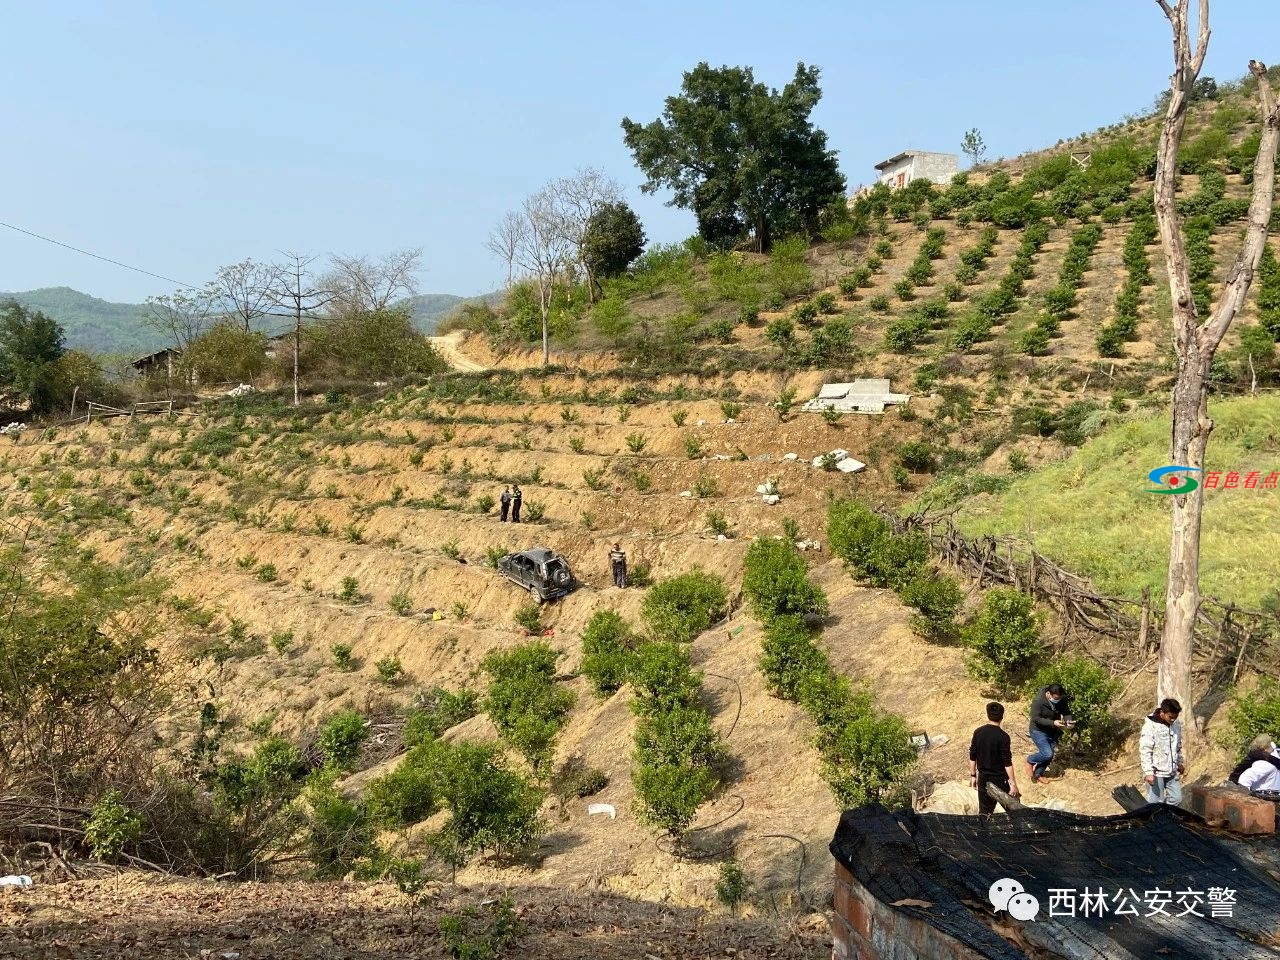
(180,137)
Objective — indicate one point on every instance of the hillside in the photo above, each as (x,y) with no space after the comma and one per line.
(338,558)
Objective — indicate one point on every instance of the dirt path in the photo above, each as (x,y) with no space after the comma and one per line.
(449,346)
(141,916)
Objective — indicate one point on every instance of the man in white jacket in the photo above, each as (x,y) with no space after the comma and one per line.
(1160,749)
(1264,772)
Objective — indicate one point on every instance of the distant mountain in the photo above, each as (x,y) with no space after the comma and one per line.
(102,327)
(430,308)
(92,324)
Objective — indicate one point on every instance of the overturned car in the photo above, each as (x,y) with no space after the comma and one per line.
(544,573)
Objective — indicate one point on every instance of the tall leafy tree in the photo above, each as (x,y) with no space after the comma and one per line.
(30,346)
(743,157)
(614,239)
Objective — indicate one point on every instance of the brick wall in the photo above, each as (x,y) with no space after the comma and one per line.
(866,929)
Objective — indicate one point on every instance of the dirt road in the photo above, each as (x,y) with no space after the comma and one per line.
(449,347)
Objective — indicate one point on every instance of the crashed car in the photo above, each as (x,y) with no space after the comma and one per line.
(544,573)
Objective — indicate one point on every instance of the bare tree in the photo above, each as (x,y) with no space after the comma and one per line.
(294,289)
(505,240)
(1196,342)
(183,316)
(533,241)
(576,200)
(365,285)
(244,290)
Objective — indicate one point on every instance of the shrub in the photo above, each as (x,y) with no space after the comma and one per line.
(342,656)
(1092,690)
(788,655)
(111,827)
(350,592)
(825,303)
(678,417)
(338,832)
(575,779)
(879,303)
(529,616)
(389,670)
(681,607)
(524,702)
(776,583)
(693,448)
(1250,714)
(903,334)
(484,504)
(864,541)
(936,600)
(867,757)
(341,738)
(732,885)
(482,932)
(904,289)
(1034,341)
(918,456)
(636,442)
(408,794)
(970,330)
(1004,638)
(608,651)
(267,573)
(437,710)
(491,807)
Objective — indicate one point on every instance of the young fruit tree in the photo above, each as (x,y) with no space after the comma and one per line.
(1195,338)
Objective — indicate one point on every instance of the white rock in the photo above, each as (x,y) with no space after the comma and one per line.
(731,420)
(702,423)
(791,456)
(850,465)
(721,536)
(686,493)
(608,808)
(771,498)
(762,488)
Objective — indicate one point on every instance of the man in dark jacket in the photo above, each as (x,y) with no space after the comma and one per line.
(991,760)
(505,500)
(1050,718)
(516,499)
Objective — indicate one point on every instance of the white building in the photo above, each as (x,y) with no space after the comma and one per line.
(898,171)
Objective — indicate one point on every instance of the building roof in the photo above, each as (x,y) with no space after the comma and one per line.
(937,869)
(905,154)
(159,354)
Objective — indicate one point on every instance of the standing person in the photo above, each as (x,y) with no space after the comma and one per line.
(991,760)
(618,563)
(1160,750)
(516,498)
(505,500)
(1050,717)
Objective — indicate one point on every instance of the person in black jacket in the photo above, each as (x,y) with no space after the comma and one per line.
(1050,718)
(517,498)
(991,760)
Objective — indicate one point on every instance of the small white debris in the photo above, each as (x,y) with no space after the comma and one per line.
(731,420)
(721,456)
(850,465)
(12,428)
(241,390)
(686,493)
(804,545)
(721,536)
(771,498)
(603,808)
(791,456)
(702,423)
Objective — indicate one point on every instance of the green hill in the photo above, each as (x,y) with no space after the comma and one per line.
(103,327)
(92,324)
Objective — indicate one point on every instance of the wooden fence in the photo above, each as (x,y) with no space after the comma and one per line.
(102,411)
(1229,639)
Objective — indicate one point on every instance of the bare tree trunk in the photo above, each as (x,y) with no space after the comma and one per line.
(1195,344)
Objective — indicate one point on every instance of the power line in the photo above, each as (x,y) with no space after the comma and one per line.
(117,263)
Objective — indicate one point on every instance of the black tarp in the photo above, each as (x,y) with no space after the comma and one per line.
(952,861)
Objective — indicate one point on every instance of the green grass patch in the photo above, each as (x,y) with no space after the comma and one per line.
(1090,512)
